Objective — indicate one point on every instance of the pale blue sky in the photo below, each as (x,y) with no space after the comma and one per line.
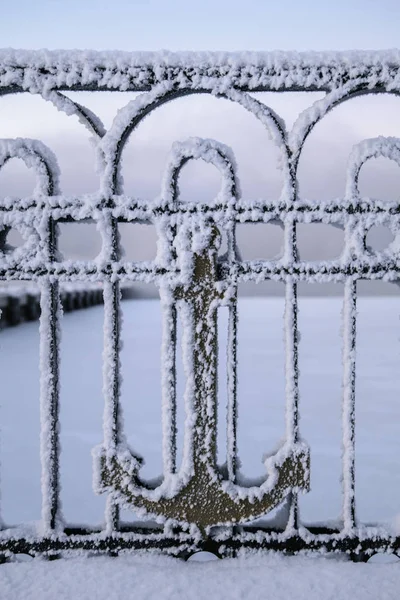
(200,24)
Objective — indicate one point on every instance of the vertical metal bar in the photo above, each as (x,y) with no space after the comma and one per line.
(348,414)
(49,390)
(292,370)
(291,361)
(168,377)
(111,368)
(231,434)
(168,364)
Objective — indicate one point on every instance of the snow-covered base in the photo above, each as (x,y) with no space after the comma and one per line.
(270,577)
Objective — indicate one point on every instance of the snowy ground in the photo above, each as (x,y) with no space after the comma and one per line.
(162,578)
(261,425)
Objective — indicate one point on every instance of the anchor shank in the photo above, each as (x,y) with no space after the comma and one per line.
(205,353)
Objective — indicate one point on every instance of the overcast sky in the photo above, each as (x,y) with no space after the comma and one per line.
(206,25)
(201,24)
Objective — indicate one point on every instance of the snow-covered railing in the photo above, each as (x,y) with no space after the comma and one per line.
(199,506)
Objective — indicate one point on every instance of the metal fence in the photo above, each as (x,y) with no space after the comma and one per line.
(198,506)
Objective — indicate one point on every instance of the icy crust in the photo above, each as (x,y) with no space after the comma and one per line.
(43,69)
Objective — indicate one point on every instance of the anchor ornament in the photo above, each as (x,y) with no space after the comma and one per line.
(198,494)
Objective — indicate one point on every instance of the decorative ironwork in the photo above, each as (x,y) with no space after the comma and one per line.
(200,507)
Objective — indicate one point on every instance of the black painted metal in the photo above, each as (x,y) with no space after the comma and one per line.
(359,542)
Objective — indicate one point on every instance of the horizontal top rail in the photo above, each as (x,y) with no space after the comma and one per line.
(23,70)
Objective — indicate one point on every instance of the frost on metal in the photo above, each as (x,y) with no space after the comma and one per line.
(200,505)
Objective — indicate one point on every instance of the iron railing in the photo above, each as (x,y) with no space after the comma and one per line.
(199,506)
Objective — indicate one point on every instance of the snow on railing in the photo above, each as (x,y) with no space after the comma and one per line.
(198,506)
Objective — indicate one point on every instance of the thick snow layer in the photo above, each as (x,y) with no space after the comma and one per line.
(270,577)
(45,70)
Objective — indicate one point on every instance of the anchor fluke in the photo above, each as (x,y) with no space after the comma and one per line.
(203,497)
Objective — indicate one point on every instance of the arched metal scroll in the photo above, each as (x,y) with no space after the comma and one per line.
(194,281)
